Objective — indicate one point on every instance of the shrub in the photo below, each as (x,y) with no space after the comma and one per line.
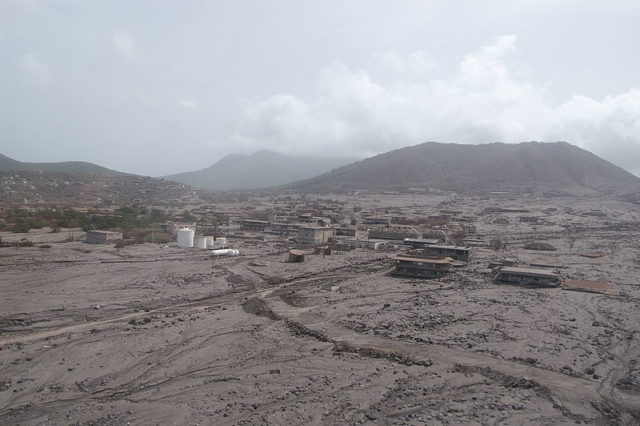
(21,227)
(158,237)
(22,243)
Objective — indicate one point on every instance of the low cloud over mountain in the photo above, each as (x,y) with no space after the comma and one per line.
(412,97)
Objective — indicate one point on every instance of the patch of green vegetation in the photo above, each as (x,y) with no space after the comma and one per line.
(123,219)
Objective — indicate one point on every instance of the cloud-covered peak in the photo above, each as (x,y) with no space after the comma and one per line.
(483,100)
(90,80)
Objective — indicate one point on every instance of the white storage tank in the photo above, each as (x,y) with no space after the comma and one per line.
(225,252)
(209,241)
(220,242)
(185,237)
(200,242)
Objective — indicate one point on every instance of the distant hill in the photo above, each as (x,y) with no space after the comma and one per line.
(72,167)
(41,189)
(78,183)
(259,170)
(530,166)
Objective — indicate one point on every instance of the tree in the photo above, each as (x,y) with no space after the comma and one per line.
(157,216)
(186,215)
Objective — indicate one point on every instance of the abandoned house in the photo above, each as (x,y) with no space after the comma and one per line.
(313,235)
(349,232)
(172,227)
(421,267)
(366,244)
(311,220)
(102,237)
(253,225)
(372,220)
(457,253)
(529,276)
(284,229)
(392,233)
(420,243)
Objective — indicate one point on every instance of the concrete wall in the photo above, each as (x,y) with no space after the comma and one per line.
(102,237)
(313,235)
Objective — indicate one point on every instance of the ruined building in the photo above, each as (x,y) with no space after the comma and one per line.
(421,267)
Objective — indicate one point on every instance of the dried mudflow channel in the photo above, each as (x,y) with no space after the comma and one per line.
(173,338)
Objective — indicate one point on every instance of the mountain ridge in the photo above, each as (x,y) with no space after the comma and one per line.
(261,169)
(481,167)
(8,164)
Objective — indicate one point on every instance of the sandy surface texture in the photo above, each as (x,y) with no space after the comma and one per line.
(151,334)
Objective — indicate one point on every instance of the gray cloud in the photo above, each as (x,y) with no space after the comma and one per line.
(157,87)
(35,70)
(484,100)
(123,43)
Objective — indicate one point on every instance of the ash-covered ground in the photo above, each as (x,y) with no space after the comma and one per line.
(151,334)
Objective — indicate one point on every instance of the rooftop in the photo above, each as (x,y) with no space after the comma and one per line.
(449,247)
(446,260)
(430,241)
(590,286)
(529,271)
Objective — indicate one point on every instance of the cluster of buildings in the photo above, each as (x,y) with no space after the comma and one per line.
(429,260)
(433,261)
(427,246)
(422,244)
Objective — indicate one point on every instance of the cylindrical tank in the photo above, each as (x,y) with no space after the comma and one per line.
(225,252)
(209,239)
(222,252)
(185,237)
(220,242)
(200,242)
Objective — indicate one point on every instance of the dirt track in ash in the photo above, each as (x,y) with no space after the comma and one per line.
(173,337)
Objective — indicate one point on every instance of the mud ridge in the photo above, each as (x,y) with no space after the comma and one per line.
(524,383)
(257,306)
(370,352)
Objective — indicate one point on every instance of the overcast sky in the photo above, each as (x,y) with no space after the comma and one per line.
(158,87)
